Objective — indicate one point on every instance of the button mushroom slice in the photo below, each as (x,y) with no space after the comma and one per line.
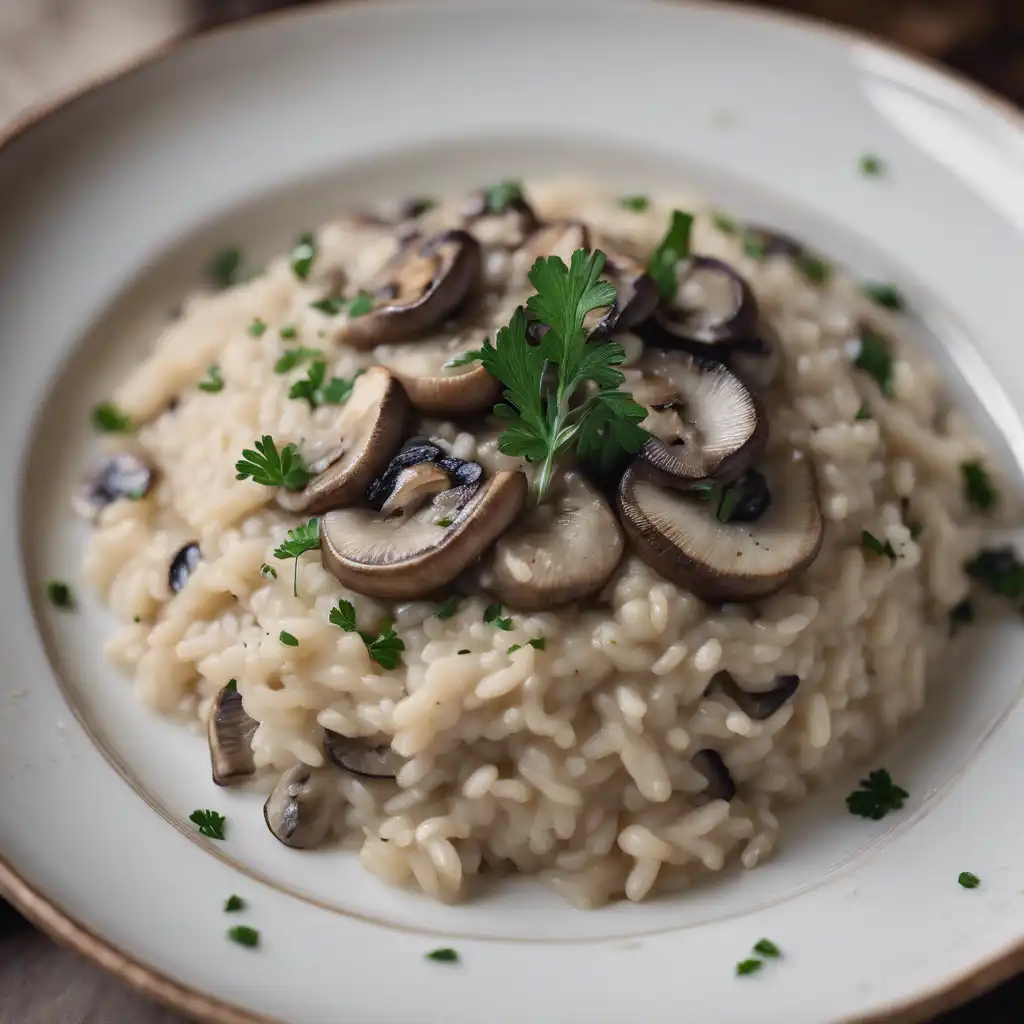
(370,428)
(417,290)
(361,757)
(720,782)
(561,551)
(184,563)
(681,536)
(637,296)
(413,485)
(411,555)
(299,810)
(229,732)
(703,420)
(713,304)
(756,704)
(507,227)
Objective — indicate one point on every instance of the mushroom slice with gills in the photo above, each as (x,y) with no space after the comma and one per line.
(229,732)
(369,430)
(756,704)
(299,809)
(417,290)
(637,296)
(414,552)
(720,781)
(561,551)
(360,757)
(703,420)
(507,227)
(713,304)
(681,536)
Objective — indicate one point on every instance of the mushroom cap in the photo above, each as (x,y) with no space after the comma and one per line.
(371,425)
(637,295)
(401,557)
(361,756)
(229,732)
(714,303)
(421,286)
(299,809)
(681,538)
(561,552)
(715,426)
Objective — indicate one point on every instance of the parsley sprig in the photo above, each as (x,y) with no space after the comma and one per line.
(209,823)
(540,421)
(298,541)
(318,391)
(267,466)
(675,246)
(385,647)
(876,796)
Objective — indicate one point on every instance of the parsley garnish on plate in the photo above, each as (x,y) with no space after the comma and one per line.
(233,904)
(271,468)
(448,607)
(885,295)
(361,305)
(875,359)
(225,269)
(492,614)
(59,595)
(1000,571)
(751,966)
(876,796)
(385,647)
(303,255)
(675,246)
(961,615)
(244,936)
(978,487)
(213,381)
(444,956)
(969,880)
(294,356)
(638,204)
(298,541)
(871,166)
(767,948)
(107,417)
(499,197)
(209,823)
(873,544)
(258,327)
(288,639)
(312,388)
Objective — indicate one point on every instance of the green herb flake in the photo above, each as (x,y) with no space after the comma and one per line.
(875,359)
(294,356)
(448,607)
(673,248)
(749,967)
(233,904)
(303,255)
(727,506)
(269,571)
(978,487)
(767,948)
(385,647)
(753,246)
(969,880)
(445,522)
(514,648)
(271,468)
(289,332)
(244,936)
(287,639)
(315,390)
(213,382)
(107,417)
(492,614)
(864,412)
(1000,571)
(330,306)
(258,328)
(960,615)
(225,269)
(60,595)
(464,358)
(886,295)
(499,197)
(876,796)
(873,544)
(296,543)
(209,823)
(361,305)
(231,686)
(723,222)
(814,268)
(443,956)
(871,166)
(538,643)
(637,204)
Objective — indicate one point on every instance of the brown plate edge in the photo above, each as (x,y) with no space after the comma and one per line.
(67,931)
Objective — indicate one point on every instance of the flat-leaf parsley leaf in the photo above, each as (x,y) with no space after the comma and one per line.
(448,607)
(107,417)
(751,966)
(876,796)
(385,647)
(492,614)
(969,880)
(294,356)
(303,538)
(271,468)
(499,197)
(288,639)
(213,381)
(675,246)
(244,936)
(767,948)
(209,823)
(303,255)
(233,904)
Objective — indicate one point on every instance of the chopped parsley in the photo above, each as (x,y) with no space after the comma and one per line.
(361,305)
(303,255)
(107,417)
(231,686)
(961,615)
(675,246)
(767,948)
(538,643)
(871,166)
(288,639)
(289,332)
(864,412)
(271,468)
(1000,571)
(499,197)
(751,966)
(244,936)
(723,222)
(814,268)
(60,595)
(225,269)
(727,506)
(969,880)
(448,607)
(258,327)
(635,203)
(885,295)
(443,956)
(268,571)
(385,647)
(209,823)
(875,359)
(330,306)
(314,390)
(492,614)
(213,381)
(233,904)
(464,358)
(445,522)
(876,796)
(754,246)
(873,544)
(298,541)
(978,487)
(294,356)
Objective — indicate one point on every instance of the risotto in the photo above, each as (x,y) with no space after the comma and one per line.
(702,558)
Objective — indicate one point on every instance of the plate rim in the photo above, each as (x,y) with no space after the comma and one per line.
(63,927)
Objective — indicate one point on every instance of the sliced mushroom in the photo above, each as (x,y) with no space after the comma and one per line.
(422,549)
(298,811)
(360,757)
(184,563)
(562,551)
(682,538)
(229,732)
(370,427)
(413,485)
(637,296)
(417,290)
(508,226)
(704,421)
(720,782)
(713,304)
(561,238)
(123,476)
(756,704)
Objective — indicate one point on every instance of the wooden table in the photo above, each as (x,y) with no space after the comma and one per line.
(45,46)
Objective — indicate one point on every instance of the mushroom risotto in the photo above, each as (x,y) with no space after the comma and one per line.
(546,530)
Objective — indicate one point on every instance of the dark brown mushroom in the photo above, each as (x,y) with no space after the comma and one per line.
(360,757)
(369,430)
(184,563)
(720,782)
(714,304)
(299,810)
(124,475)
(681,534)
(637,296)
(229,732)
(756,704)
(499,218)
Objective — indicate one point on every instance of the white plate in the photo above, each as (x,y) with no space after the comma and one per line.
(110,207)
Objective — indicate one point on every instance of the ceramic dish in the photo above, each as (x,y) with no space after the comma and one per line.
(111,207)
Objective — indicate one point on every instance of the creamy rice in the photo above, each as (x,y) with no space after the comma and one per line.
(574,761)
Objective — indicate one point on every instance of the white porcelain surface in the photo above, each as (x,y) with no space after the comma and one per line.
(109,211)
